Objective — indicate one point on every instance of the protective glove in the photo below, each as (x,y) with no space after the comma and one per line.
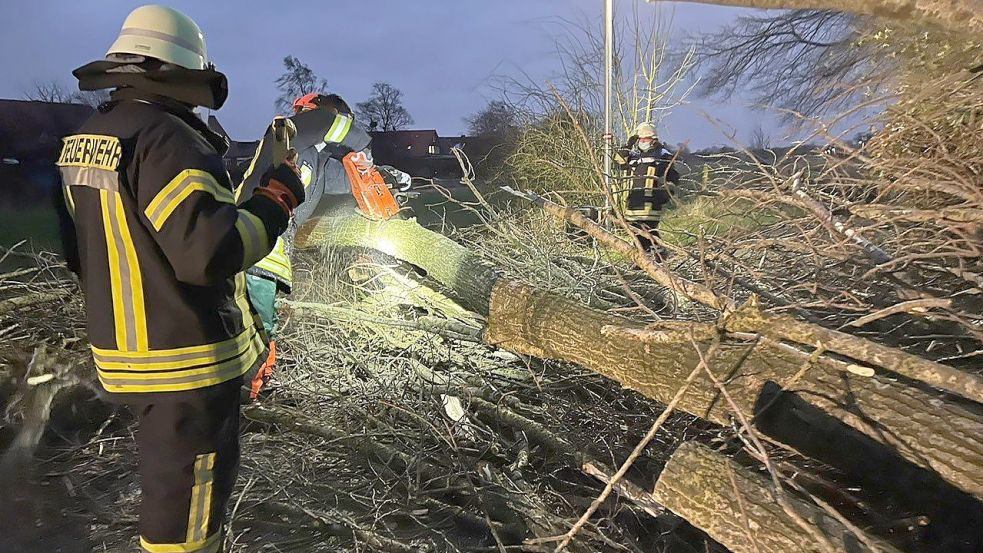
(282,184)
(632,140)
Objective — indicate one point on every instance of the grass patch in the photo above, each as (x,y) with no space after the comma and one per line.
(714,216)
(37,225)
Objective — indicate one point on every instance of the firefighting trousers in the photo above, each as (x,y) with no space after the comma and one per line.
(645,230)
(188,444)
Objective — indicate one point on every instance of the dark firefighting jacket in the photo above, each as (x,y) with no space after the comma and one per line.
(323,139)
(642,190)
(162,247)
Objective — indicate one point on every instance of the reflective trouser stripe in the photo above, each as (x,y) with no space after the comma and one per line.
(126,283)
(201,498)
(210,545)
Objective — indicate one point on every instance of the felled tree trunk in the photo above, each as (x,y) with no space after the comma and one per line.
(918,424)
(707,489)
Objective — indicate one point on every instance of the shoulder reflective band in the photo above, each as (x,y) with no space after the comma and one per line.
(339,129)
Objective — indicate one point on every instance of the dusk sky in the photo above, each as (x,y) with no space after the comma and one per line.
(445,55)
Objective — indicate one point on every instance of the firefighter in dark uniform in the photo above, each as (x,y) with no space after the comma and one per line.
(162,248)
(644,189)
(326,133)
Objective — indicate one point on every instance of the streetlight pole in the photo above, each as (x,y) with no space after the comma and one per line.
(608,86)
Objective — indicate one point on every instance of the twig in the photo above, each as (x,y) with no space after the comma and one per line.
(596,504)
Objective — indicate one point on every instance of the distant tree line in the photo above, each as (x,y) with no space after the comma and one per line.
(383,110)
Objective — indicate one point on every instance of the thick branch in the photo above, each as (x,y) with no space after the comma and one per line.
(918,425)
(788,328)
(957,15)
(707,489)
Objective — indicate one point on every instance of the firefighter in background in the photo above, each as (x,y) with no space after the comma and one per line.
(644,189)
(162,249)
(326,133)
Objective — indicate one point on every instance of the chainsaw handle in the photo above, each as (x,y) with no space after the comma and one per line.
(283,130)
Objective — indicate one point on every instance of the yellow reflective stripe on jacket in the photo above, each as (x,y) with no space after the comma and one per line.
(177,358)
(250,318)
(339,129)
(210,545)
(126,282)
(69,200)
(650,175)
(168,380)
(199,512)
(277,262)
(249,170)
(252,232)
(180,187)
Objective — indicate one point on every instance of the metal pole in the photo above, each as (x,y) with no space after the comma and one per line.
(608,86)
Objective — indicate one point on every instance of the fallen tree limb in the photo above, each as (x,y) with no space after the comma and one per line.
(433,325)
(835,225)
(337,525)
(705,488)
(372,449)
(918,424)
(956,15)
(30,300)
(903,307)
(934,216)
(936,374)
(750,318)
(539,434)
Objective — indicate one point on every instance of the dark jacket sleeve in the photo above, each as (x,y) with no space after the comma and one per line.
(320,129)
(66,228)
(621,157)
(671,174)
(185,200)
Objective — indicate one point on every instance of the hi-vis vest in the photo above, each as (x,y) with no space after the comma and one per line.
(320,135)
(162,248)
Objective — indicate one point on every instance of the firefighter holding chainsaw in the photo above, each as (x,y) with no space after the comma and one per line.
(331,151)
(162,248)
(644,190)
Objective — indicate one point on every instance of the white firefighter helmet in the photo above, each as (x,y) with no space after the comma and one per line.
(646,130)
(162,33)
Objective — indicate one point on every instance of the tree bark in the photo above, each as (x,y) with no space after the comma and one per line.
(936,374)
(958,15)
(918,424)
(707,489)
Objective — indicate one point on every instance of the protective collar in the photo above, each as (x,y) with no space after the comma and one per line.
(175,108)
(206,87)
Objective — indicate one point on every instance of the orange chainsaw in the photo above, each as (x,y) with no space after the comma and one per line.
(373,195)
